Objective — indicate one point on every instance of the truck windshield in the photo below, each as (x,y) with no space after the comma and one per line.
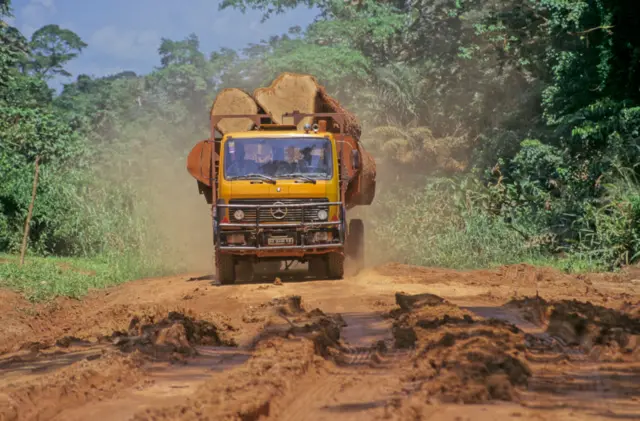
(289,157)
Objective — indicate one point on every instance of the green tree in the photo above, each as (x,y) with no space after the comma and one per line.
(186,51)
(13,46)
(52,48)
(29,133)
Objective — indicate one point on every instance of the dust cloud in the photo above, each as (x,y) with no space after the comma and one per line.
(389,177)
(174,217)
(180,216)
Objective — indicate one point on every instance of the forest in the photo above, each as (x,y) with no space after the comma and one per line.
(505,131)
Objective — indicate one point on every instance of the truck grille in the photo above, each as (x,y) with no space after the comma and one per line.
(293,214)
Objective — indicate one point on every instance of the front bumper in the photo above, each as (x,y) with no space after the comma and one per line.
(256,234)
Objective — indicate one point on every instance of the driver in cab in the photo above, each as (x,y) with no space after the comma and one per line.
(293,162)
(239,165)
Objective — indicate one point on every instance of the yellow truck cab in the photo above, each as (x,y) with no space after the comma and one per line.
(279,194)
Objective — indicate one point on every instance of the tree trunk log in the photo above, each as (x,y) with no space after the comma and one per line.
(234,101)
(298,92)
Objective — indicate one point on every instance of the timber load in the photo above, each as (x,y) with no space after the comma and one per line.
(287,94)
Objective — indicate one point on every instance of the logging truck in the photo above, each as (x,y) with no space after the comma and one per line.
(280,192)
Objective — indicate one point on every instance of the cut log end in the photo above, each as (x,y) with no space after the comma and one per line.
(234,101)
(301,92)
(288,93)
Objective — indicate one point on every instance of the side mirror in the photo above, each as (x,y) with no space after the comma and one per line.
(355,159)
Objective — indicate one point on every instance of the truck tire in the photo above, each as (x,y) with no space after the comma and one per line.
(244,271)
(225,269)
(335,265)
(355,245)
(318,267)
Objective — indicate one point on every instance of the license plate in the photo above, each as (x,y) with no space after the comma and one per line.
(280,241)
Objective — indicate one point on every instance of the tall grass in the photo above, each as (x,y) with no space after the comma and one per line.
(439,223)
(43,278)
(609,230)
(427,227)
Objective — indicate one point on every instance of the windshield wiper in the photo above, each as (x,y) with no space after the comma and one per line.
(302,177)
(253,175)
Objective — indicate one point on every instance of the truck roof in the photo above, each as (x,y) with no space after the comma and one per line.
(276,134)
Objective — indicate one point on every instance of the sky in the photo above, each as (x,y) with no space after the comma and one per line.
(125,34)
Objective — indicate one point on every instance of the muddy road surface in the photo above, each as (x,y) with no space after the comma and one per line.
(393,343)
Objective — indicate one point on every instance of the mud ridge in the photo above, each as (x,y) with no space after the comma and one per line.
(99,370)
(605,334)
(459,358)
(285,317)
(295,344)
(324,330)
(172,336)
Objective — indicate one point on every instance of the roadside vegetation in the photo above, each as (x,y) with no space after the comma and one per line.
(43,278)
(506,131)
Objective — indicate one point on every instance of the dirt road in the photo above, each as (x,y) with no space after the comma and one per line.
(395,342)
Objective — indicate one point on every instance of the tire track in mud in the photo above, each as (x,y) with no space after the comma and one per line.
(286,376)
(371,377)
(363,379)
(535,334)
(571,390)
(374,356)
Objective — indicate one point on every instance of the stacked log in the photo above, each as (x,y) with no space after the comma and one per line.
(234,101)
(288,93)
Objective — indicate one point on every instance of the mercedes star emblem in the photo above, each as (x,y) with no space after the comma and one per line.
(279,213)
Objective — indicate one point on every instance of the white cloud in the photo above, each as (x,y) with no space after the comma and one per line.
(125,44)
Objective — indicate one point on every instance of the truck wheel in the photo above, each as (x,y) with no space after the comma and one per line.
(335,265)
(225,269)
(245,271)
(317,267)
(355,244)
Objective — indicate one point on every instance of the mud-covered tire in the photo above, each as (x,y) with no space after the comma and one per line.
(225,269)
(335,265)
(355,245)
(244,271)
(318,267)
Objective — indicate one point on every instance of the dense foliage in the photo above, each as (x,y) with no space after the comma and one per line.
(512,127)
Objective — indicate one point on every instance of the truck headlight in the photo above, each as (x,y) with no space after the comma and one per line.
(238,215)
(323,215)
